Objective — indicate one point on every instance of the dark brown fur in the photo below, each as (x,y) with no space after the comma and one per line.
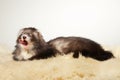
(86,47)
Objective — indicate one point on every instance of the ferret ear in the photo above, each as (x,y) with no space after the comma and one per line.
(38,36)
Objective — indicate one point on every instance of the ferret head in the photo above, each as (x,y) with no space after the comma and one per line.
(28,39)
(29,36)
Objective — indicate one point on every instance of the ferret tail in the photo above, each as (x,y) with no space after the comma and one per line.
(105,55)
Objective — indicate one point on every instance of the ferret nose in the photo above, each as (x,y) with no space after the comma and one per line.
(24,37)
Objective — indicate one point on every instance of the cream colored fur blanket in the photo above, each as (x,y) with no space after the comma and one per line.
(60,68)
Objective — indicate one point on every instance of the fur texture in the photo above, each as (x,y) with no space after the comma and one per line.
(86,47)
(31,45)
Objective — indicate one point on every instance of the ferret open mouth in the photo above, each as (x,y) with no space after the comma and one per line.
(23,42)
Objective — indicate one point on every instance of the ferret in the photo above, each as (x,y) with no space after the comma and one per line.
(31,45)
(87,47)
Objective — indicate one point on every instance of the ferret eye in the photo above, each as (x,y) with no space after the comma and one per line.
(23,33)
(30,34)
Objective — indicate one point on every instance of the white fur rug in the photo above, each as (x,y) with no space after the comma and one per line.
(60,68)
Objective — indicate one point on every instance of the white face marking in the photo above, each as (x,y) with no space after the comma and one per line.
(26,55)
(60,45)
(27,38)
(26,52)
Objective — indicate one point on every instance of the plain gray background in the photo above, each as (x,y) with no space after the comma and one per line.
(98,20)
